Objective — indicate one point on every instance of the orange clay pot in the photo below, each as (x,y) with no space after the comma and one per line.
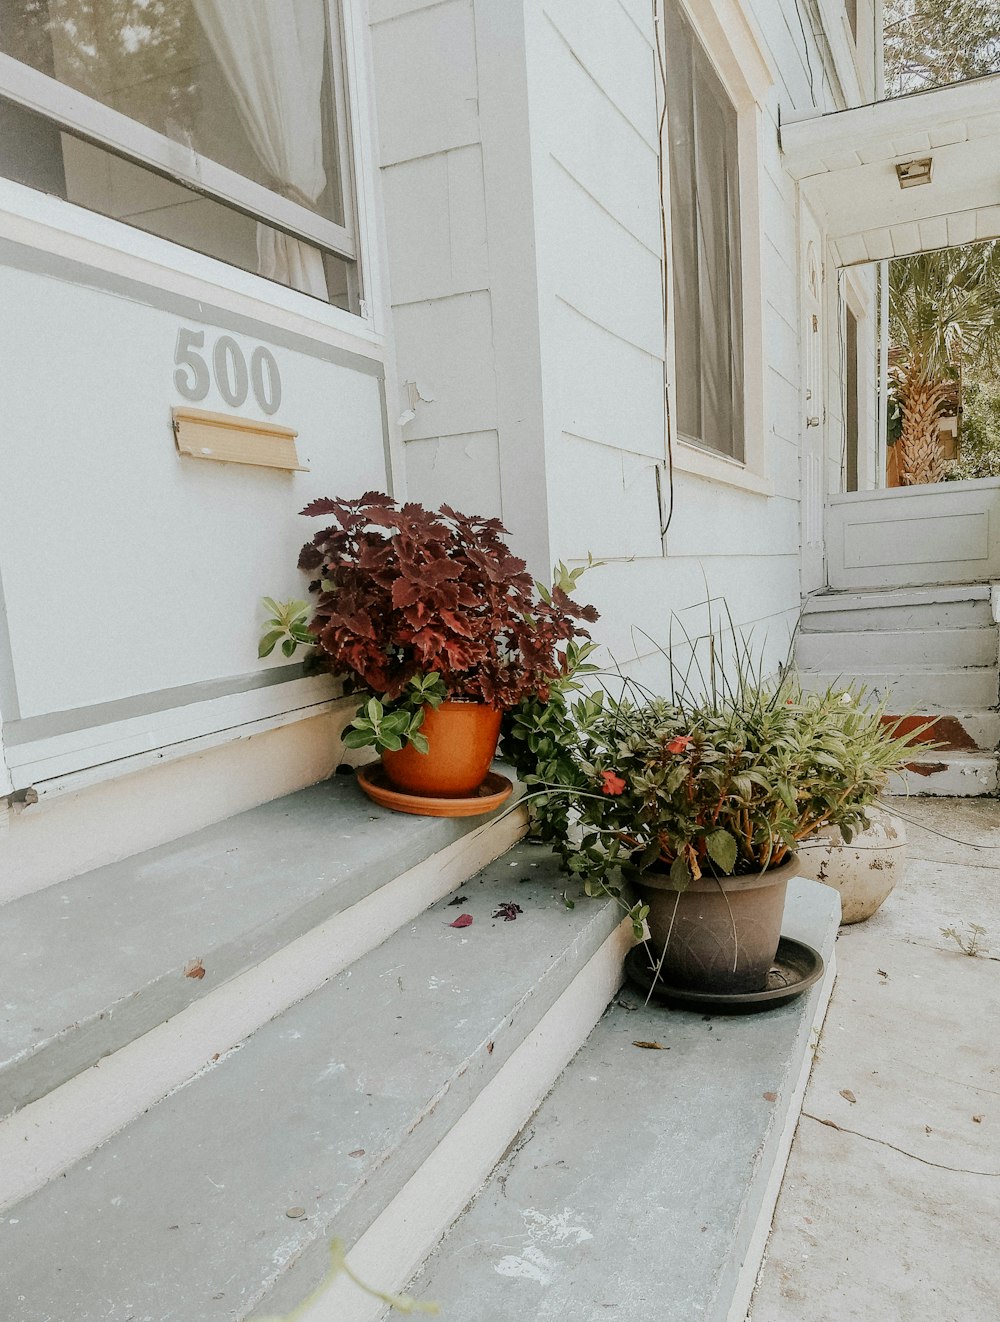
(462,742)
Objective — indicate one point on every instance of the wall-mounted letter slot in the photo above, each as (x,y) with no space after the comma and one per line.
(232,440)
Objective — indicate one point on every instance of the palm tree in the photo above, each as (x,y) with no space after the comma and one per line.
(944,315)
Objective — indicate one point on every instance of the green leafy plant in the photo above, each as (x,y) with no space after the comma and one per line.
(724,776)
(391,726)
(287,625)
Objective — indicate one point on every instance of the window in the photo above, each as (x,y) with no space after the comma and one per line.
(852,402)
(218,124)
(705,244)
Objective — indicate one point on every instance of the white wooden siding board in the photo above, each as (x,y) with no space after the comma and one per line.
(462,471)
(851,248)
(602,502)
(933,232)
(782,342)
(640,12)
(841,160)
(608,389)
(741,526)
(598,147)
(961,228)
(641,594)
(467,215)
(988,222)
(878,243)
(984,126)
(446,346)
(905,239)
(436,218)
(946,134)
(910,144)
(425,64)
(384,11)
(614,54)
(599,268)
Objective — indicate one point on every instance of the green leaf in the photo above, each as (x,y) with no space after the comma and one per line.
(390,741)
(359,738)
(269,642)
(419,742)
(722,849)
(374,710)
(680,873)
(289,646)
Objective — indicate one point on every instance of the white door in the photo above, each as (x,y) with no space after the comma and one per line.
(812,470)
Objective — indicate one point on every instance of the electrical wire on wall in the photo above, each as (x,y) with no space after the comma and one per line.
(666,514)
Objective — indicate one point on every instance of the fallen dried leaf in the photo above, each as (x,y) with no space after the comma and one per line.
(463,920)
(977,1119)
(358,1152)
(216,1056)
(489,1048)
(194,969)
(881,973)
(459,899)
(928,1130)
(295,1212)
(847,1095)
(508,911)
(770,1096)
(651,1046)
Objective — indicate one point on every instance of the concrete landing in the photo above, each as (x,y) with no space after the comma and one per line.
(308,1129)
(891,1201)
(642,1189)
(94,962)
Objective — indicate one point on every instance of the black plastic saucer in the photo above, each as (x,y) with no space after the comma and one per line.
(796,968)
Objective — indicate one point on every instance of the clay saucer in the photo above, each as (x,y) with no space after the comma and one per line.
(494,790)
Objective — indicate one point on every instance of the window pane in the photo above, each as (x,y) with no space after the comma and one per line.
(35,152)
(705,244)
(244,82)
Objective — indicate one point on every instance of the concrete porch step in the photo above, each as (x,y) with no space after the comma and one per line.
(643,1188)
(93,963)
(329,1118)
(899,608)
(938,689)
(875,649)
(948,774)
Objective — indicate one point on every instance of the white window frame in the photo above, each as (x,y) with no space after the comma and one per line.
(86,118)
(738,55)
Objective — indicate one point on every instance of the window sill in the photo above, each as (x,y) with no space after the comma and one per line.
(717,468)
(35,218)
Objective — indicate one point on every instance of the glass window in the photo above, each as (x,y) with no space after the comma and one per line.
(705,244)
(226,129)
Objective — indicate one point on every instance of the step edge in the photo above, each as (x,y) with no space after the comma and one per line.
(41,1066)
(105,1098)
(396,1244)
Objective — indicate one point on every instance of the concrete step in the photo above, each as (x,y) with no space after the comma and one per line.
(94,963)
(944,774)
(883,649)
(939,689)
(383,1098)
(899,608)
(643,1188)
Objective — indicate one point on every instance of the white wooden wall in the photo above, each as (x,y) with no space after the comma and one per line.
(572,137)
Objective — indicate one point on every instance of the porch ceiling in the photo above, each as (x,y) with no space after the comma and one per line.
(846,162)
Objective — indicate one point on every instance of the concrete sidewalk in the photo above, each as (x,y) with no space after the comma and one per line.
(890,1206)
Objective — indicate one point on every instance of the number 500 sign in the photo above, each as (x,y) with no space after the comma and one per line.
(234,379)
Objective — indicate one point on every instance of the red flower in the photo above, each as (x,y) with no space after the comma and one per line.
(679,744)
(612,783)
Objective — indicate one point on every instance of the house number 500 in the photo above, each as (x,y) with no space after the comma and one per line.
(233,379)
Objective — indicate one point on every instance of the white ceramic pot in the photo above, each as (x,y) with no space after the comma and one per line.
(865,871)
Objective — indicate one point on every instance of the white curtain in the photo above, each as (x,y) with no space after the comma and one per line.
(272,54)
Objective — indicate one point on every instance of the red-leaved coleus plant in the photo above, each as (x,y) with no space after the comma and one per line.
(404,591)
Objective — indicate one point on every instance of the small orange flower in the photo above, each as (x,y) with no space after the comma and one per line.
(679,744)
(612,783)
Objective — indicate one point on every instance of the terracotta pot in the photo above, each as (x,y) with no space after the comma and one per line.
(462,742)
(865,871)
(725,932)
